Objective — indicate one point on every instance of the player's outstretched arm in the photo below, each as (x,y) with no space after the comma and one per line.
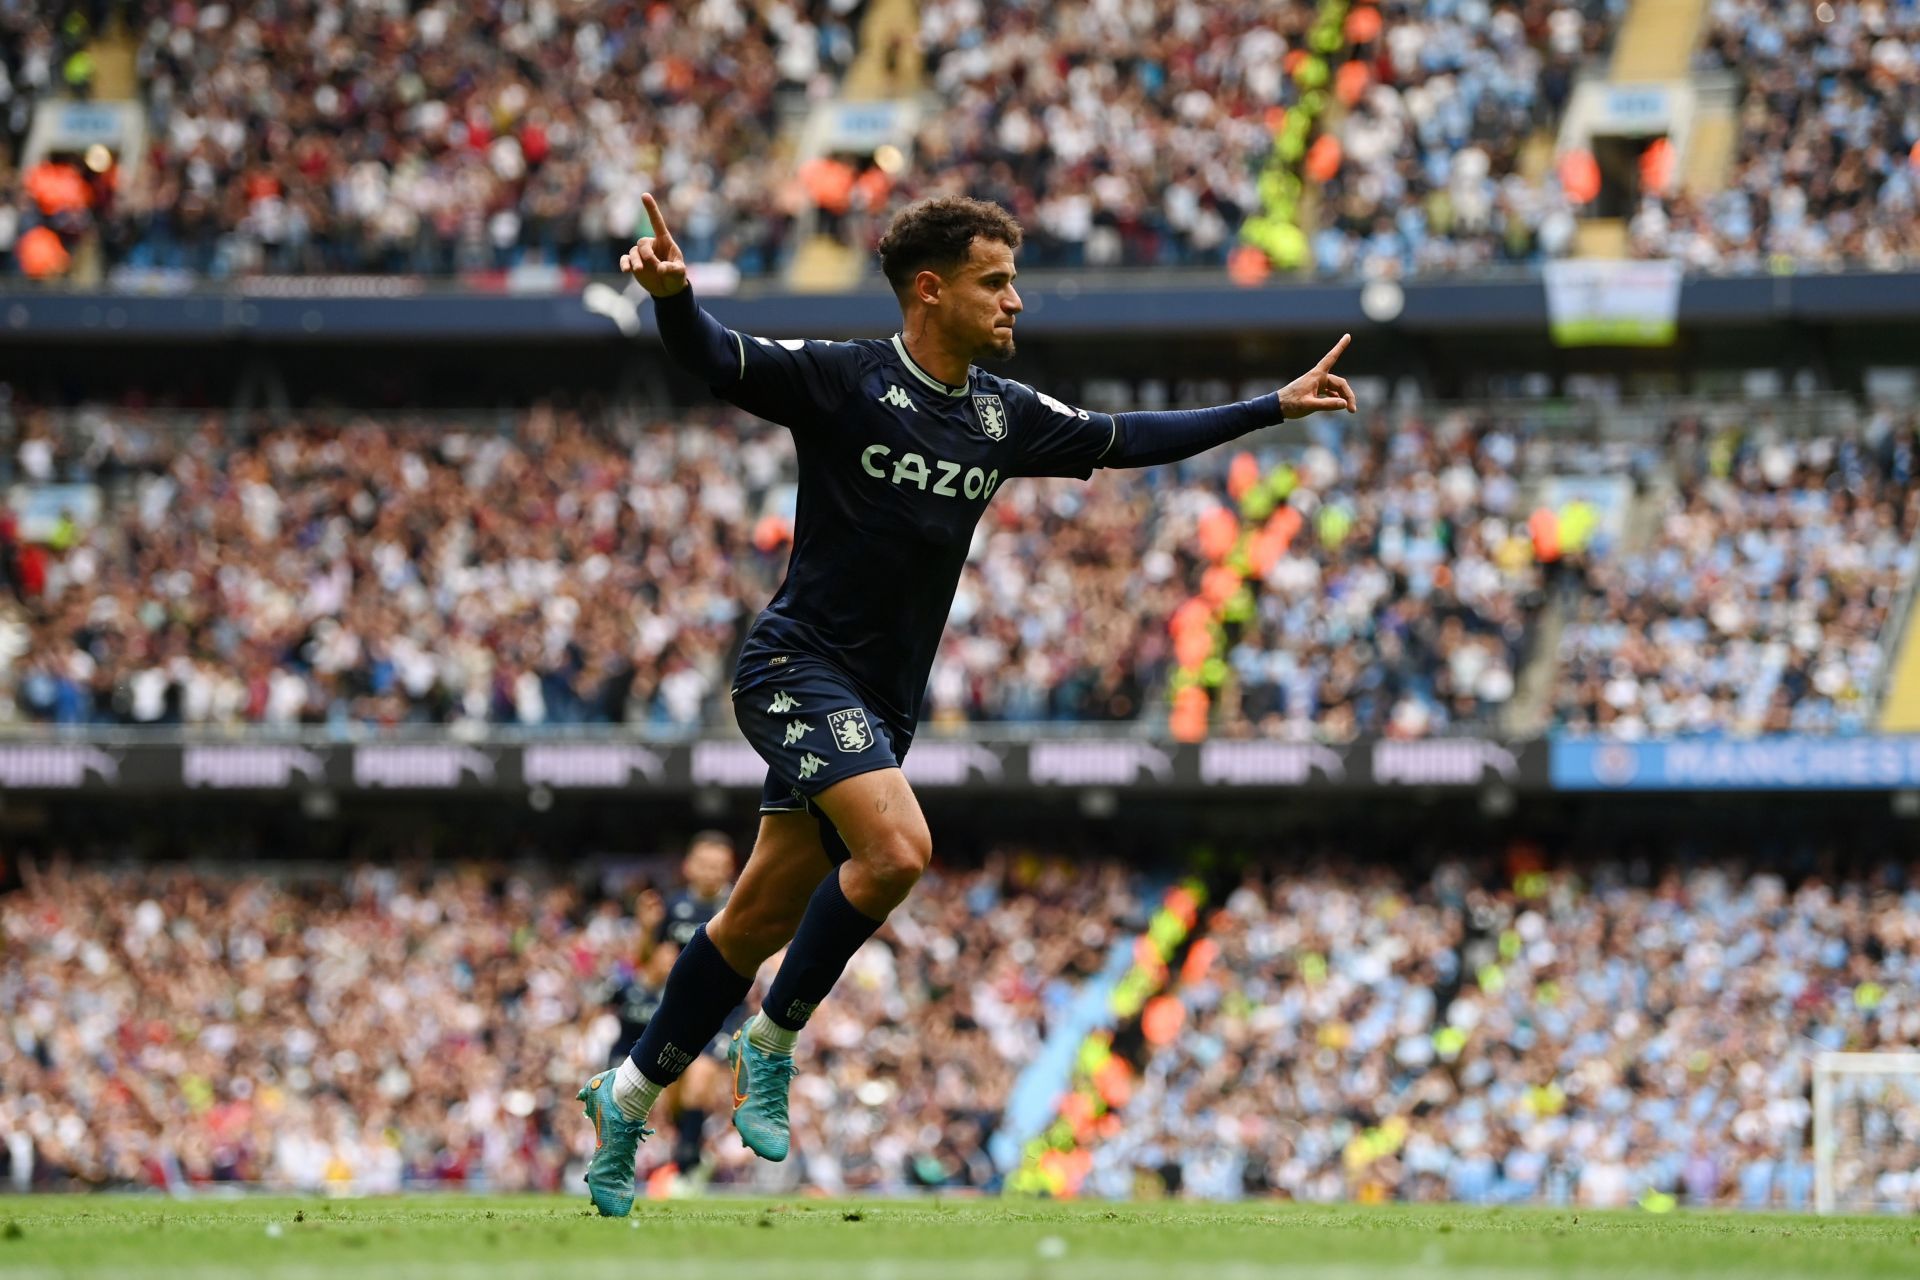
(1150,439)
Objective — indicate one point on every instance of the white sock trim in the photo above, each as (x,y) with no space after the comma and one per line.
(764,1035)
(633,1093)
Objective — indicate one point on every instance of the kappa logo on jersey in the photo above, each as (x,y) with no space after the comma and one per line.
(850,729)
(898,399)
(796,730)
(811,764)
(993,416)
(782,703)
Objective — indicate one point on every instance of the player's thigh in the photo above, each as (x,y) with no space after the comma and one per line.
(787,864)
(879,818)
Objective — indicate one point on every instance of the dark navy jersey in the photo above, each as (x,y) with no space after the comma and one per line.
(635,1003)
(896,468)
(685,914)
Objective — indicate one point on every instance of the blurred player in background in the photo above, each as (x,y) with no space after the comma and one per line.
(901,442)
(667,924)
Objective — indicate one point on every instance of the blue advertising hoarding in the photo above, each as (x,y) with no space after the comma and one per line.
(1788,763)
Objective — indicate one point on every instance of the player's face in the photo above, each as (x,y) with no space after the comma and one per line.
(985,301)
(708,868)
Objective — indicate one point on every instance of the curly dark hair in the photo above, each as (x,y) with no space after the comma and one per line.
(937,234)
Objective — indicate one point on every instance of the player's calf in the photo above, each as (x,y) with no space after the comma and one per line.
(880,821)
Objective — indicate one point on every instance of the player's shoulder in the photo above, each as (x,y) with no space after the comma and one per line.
(856,350)
(1021,398)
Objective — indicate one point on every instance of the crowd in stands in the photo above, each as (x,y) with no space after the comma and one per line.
(1120,134)
(394,571)
(1136,134)
(463,138)
(563,570)
(383,1028)
(1756,603)
(515,138)
(1827,159)
(1495,1031)
(1578,1039)
(555,567)
(1425,171)
(1403,604)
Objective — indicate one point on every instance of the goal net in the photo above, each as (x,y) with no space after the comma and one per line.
(1866,1132)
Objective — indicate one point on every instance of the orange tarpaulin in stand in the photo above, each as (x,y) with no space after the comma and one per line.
(1162,1019)
(1544,527)
(57,188)
(41,254)
(1242,475)
(1580,176)
(829,182)
(1218,530)
(1192,647)
(1188,723)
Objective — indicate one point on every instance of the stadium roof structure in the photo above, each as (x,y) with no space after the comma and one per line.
(308,309)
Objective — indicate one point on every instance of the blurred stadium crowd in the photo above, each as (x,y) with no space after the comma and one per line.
(1584,1041)
(1496,1032)
(384,1028)
(495,136)
(1758,605)
(555,567)
(1827,164)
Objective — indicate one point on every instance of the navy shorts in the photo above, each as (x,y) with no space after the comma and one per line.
(810,725)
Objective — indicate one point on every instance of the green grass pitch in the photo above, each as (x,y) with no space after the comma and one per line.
(459,1236)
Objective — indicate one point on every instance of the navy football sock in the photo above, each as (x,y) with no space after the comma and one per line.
(702,989)
(830,932)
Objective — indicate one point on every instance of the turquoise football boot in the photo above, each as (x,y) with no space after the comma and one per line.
(760,1081)
(610,1180)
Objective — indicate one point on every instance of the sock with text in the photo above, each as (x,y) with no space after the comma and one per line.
(830,932)
(702,989)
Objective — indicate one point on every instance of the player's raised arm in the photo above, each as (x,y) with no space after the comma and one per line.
(1149,439)
(693,338)
(792,382)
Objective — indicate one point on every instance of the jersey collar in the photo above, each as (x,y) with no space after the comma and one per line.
(914,369)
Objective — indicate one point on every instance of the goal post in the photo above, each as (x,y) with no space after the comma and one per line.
(1845,1085)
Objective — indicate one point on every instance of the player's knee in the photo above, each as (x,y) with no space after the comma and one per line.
(897,859)
(750,932)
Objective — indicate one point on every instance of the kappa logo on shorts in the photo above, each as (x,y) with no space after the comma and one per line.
(850,729)
(782,703)
(810,764)
(796,730)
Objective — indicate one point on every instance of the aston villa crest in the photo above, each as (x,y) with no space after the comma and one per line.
(993,416)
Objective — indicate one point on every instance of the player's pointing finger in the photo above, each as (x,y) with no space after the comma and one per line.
(1327,360)
(659,223)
